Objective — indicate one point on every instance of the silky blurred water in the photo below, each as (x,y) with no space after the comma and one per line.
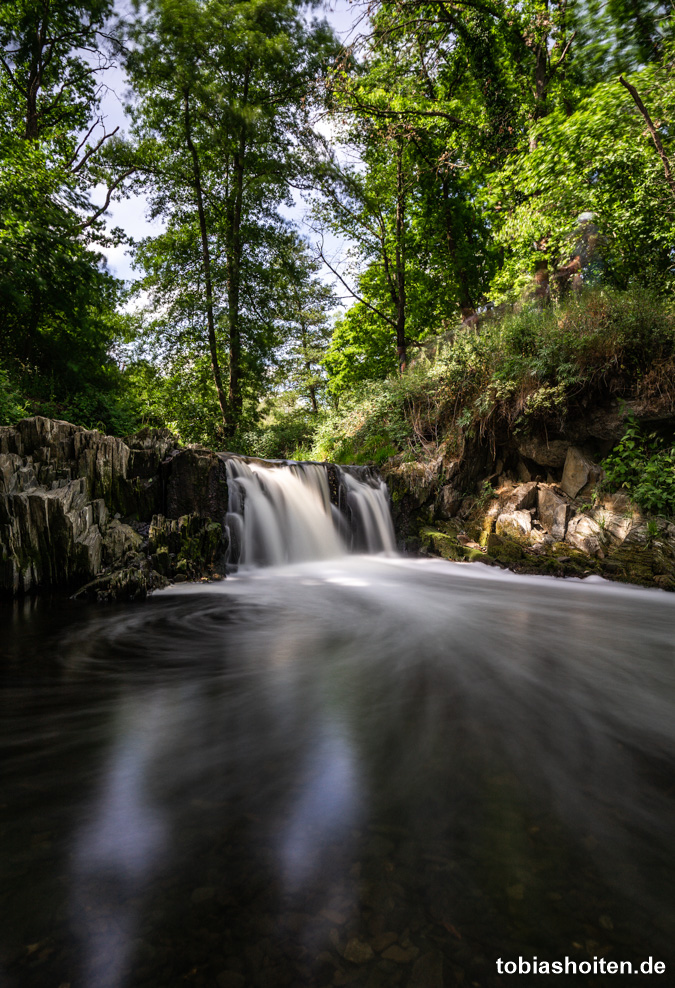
(370,772)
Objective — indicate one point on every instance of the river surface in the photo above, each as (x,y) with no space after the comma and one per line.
(373,771)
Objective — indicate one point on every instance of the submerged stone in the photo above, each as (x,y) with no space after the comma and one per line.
(358,951)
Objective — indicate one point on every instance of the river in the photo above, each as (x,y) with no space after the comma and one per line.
(366,770)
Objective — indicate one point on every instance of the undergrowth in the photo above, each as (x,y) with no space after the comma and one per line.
(534,364)
(643,464)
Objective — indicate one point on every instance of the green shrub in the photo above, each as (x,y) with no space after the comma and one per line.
(11,407)
(535,363)
(643,463)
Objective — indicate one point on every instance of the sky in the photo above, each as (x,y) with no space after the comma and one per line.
(131,214)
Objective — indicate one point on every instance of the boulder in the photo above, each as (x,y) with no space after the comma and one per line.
(449,501)
(618,525)
(545,452)
(503,549)
(514,523)
(578,471)
(553,511)
(523,497)
(585,534)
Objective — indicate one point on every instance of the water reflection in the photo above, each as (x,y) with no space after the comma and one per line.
(325,810)
(117,847)
(371,772)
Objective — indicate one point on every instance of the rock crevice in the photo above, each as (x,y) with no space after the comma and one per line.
(77,509)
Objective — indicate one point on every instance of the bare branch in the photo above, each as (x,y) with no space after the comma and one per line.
(11,76)
(379,112)
(93,150)
(554,68)
(652,130)
(352,292)
(84,140)
(115,185)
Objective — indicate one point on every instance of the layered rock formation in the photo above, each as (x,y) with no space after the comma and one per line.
(116,518)
(119,517)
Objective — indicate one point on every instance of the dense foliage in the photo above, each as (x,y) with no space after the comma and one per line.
(58,317)
(535,364)
(643,463)
(515,155)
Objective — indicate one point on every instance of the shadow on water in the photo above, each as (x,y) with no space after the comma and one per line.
(372,772)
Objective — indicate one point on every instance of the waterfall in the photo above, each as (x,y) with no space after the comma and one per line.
(367,499)
(282,512)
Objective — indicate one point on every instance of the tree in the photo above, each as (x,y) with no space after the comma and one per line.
(400,190)
(222,109)
(304,306)
(600,159)
(508,114)
(57,302)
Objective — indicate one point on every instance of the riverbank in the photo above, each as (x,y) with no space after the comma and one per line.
(116,519)
(542,441)
(104,516)
(538,528)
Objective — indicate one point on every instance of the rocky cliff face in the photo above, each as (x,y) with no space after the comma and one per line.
(533,504)
(120,517)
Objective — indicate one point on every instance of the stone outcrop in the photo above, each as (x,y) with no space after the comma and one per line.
(561,536)
(516,523)
(578,472)
(533,504)
(553,511)
(110,517)
(541,450)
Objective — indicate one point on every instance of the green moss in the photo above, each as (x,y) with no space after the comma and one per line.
(503,549)
(474,555)
(441,544)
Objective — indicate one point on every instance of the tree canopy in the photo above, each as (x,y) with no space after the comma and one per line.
(464,156)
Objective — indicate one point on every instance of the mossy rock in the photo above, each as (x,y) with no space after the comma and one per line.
(133,583)
(441,544)
(504,550)
(473,555)
(548,566)
(642,564)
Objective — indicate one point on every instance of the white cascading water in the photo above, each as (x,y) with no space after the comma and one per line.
(372,526)
(282,513)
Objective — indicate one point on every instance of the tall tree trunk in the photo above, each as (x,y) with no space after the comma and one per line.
(541,80)
(235,210)
(401,342)
(308,366)
(35,80)
(540,87)
(206,263)
(312,392)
